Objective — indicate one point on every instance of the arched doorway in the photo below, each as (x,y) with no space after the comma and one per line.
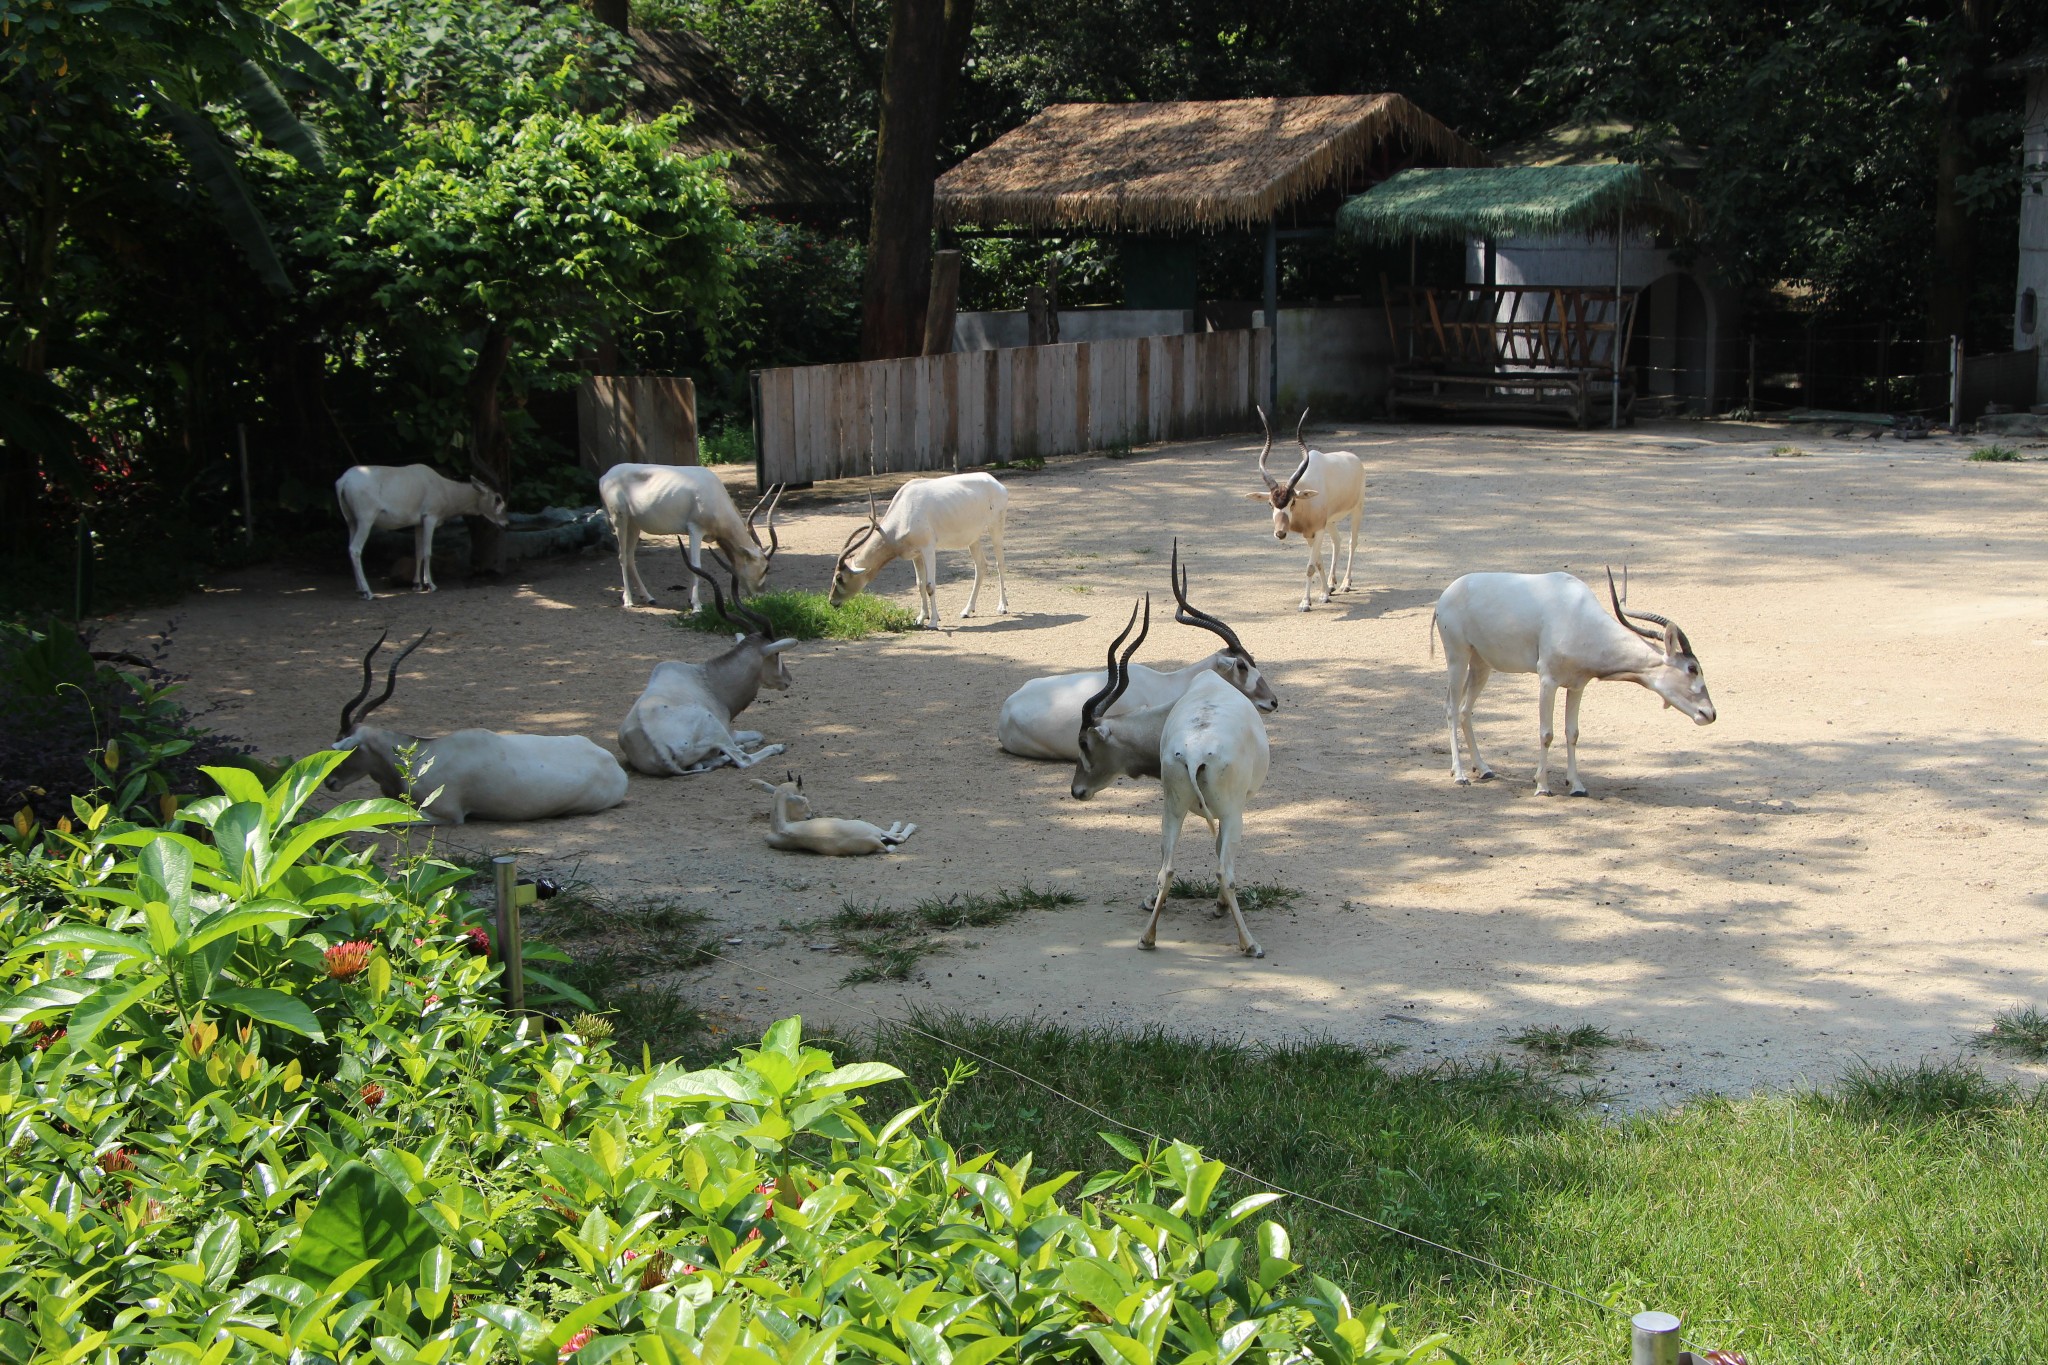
(1673,350)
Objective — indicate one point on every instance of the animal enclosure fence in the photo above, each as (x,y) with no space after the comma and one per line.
(987,407)
(636,419)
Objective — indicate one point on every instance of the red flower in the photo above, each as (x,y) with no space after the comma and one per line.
(116,1159)
(576,1343)
(347,960)
(432,1000)
(43,1041)
(479,940)
(373,1094)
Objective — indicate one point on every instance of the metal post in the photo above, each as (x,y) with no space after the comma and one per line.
(1273,318)
(505,874)
(1955,383)
(1617,317)
(248,503)
(81,570)
(1752,376)
(1653,1339)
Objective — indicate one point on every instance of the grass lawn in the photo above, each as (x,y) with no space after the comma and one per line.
(1902,1217)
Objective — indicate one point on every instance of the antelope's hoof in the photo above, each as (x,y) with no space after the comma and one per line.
(1219,911)
(369,597)
(1486,774)
(1147,944)
(1545,791)
(1461,781)
(1254,951)
(1578,791)
(1302,607)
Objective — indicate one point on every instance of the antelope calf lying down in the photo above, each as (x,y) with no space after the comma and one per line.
(391,498)
(675,500)
(473,774)
(682,722)
(1325,488)
(1210,753)
(793,829)
(1553,626)
(1041,719)
(952,512)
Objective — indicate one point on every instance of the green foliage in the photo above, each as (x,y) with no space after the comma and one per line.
(729,444)
(2022,1033)
(811,616)
(1250,895)
(259,1106)
(1924,1092)
(1996,454)
(892,942)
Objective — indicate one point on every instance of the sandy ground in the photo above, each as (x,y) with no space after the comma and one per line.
(1848,867)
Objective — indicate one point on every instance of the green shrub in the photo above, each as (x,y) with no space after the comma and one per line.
(1996,454)
(811,616)
(727,445)
(259,1106)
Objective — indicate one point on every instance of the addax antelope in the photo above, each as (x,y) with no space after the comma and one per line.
(1325,488)
(952,512)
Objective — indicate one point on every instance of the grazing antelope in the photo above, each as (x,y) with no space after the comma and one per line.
(674,500)
(682,722)
(793,829)
(391,498)
(1210,753)
(1040,719)
(1325,488)
(1553,626)
(951,512)
(472,774)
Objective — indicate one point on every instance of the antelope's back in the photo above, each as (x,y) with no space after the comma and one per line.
(1214,724)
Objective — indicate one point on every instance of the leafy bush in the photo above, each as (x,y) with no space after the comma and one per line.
(811,616)
(259,1106)
(71,725)
(727,445)
(1996,454)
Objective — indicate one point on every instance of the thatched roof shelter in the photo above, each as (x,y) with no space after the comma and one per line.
(1189,164)
(1511,201)
(770,167)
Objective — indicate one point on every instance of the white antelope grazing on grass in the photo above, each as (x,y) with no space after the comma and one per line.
(1325,488)
(1209,752)
(391,498)
(682,722)
(793,829)
(952,512)
(1041,719)
(473,774)
(1552,625)
(675,500)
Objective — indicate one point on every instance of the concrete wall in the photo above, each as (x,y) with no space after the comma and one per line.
(2033,273)
(1334,360)
(1000,331)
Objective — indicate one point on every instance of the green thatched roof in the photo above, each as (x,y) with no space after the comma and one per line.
(1510,201)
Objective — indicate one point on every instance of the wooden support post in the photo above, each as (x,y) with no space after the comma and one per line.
(1272,301)
(248,499)
(511,954)
(1752,376)
(945,301)
(1955,383)
(1618,338)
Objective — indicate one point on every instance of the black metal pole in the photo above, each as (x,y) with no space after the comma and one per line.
(1273,318)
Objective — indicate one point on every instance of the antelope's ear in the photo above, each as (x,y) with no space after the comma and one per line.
(1304,494)
(777,646)
(1258,497)
(764,786)
(739,637)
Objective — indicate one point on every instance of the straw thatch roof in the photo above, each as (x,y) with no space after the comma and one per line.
(1511,201)
(769,167)
(1189,163)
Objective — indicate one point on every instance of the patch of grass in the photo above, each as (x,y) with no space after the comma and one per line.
(889,960)
(810,616)
(1757,1219)
(892,941)
(1250,895)
(1925,1092)
(868,917)
(1121,450)
(727,445)
(981,912)
(2019,1033)
(1788,452)
(1996,454)
(1023,462)
(1570,1049)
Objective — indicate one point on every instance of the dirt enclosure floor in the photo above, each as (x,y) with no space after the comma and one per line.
(1848,867)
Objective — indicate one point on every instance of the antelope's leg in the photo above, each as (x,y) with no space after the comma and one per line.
(995,540)
(1227,835)
(423,555)
(1170,821)
(629,545)
(740,758)
(1571,739)
(1357,515)
(1313,570)
(926,564)
(1477,672)
(979,556)
(359,536)
(1456,663)
(696,561)
(1546,711)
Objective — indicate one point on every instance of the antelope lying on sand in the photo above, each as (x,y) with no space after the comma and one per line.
(391,498)
(682,722)
(473,774)
(1326,487)
(1553,626)
(1041,719)
(1210,753)
(674,500)
(793,829)
(951,512)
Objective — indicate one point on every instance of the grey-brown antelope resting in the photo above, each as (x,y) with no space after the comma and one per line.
(793,829)
(952,512)
(1552,625)
(675,500)
(472,774)
(1041,719)
(1209,751)
(391,498)
(1325,488)
(682,722)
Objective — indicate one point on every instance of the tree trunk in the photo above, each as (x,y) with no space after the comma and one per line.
(926,41)
(490,446)
(1948,293)
(616,13)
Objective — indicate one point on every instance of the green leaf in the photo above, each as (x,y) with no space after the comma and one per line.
(244,842)
(271,116)
(107,1004)
(45,995)
(165,874)
(703,1085)
(84,936)
(1125,1148)
(237,784)
(853,1077)
(269,1007)
(296,783)
(559,987)
(1245,1208)
(218,1250)
(245,916)
(1115,1348)
(1094,1281)
(361,1217)
(983,1350)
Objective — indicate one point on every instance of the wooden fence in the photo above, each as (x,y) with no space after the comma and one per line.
(985,407)
(636,419)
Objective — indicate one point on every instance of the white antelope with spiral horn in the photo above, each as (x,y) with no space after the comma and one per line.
(952,512)
(1209,752)
(1553,626)
(472,774)
(674,500)
(1039,719)
(1325,488)
(793,829)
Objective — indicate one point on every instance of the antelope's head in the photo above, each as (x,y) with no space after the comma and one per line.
(751,559)
(1283,497)
(848,576)
(1098,765)
(490,504)
(1679,680)
(1234,663)
(759,636)
(371,750)
(790,801)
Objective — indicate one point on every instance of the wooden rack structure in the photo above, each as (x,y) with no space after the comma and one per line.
(1510,348)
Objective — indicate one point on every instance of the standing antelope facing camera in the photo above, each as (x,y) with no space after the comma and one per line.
(473,773)
(682,721)
(1208,750)
(674,500)
(793,829)
(1039,719)
(951,512)
(1325,488)
(1553,626)
(391,498)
